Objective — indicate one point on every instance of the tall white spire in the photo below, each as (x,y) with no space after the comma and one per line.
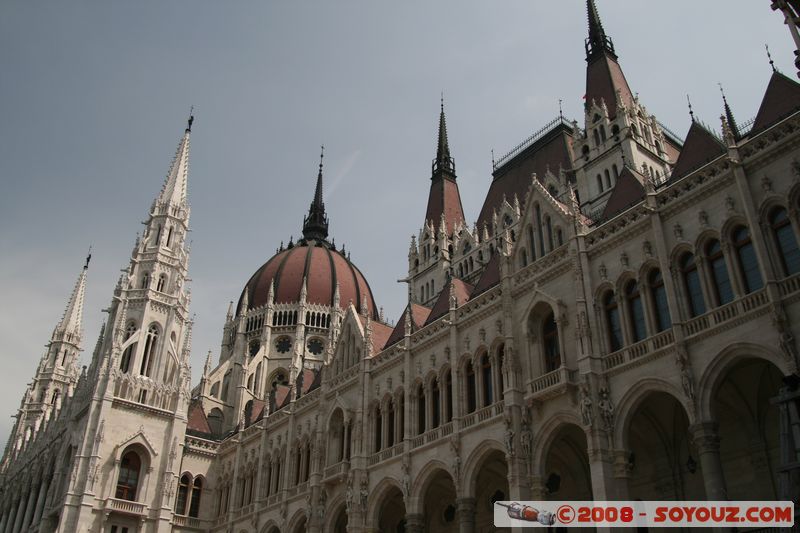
(174,190)
(72,321)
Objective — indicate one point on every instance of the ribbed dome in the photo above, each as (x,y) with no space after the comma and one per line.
(321,266)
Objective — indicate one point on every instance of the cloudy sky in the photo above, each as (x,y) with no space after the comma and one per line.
(94,97)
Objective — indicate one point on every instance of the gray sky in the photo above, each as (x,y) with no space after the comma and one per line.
(94,97)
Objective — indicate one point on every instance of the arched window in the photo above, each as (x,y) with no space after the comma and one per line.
(523,259)
(420,409)
(64,357)
(596,138)
(691,285)
(613,323)
(599,183)
(197,492)
(531,243)
(549,225)
(471,400)
(486,377)
(786,241)
(149,351)
(390,424)
(145,280)
(552,353)
(659,296)
(448,387)
(56,395)
(183,494)
(125,361)
(602,133)
(378,428)
(158,236)
(719,273)
(748,262)
(635,311)
(539,231)
(162,282)
(437,403)
(169,237)
(128,480)
(608,178)
(616,171)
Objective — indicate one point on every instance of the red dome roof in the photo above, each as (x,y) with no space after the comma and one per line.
(321,266)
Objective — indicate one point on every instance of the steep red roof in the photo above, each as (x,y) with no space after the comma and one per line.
(700,147)
(489,278)
(256,413)
(282,396)
(419,314)
(197,420)
(442,306)
(552,150)
(380,333)
(310,379)
(603,78)
(781,99)
(628,190)
(321,266)
(444,199)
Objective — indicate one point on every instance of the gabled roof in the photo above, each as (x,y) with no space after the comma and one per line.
(197,421)
(462,291)
(489,278)
(311,379)
(553,150)
(282,396)
(780,100)
(419,314)
(701,146)
(380,333)
(628,190)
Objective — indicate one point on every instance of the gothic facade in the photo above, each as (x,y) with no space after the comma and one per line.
(619,322)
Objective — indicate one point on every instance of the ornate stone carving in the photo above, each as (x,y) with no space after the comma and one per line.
(509,436)
(677,229)
(585,404)
(685,368)
(606,409)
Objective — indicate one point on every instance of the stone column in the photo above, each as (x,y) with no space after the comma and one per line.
(706,441)
(465,510)
(6,511)
(12,517)
(20,513)
(29,507)
(415,523)
(43,488)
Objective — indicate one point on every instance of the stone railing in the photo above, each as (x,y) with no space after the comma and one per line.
(482,414)
(727,312)
(143,390)
(125,506)
(188,521)
(336,469)
(639,349)
(790,285)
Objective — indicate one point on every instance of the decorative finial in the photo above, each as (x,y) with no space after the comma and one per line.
(321,156)
(560,110)
(493,162)
(722,92)
(769,56)
(191,119)
(88,258)
(442,101)
(691,111)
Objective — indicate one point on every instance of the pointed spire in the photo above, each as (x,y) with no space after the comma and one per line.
(597,41)
(691,111)
(315,225)
(443,163)
(769,56)
(174,190)
(729,115)
(72,321)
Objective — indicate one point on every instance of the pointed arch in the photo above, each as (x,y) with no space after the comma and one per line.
(633,398)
